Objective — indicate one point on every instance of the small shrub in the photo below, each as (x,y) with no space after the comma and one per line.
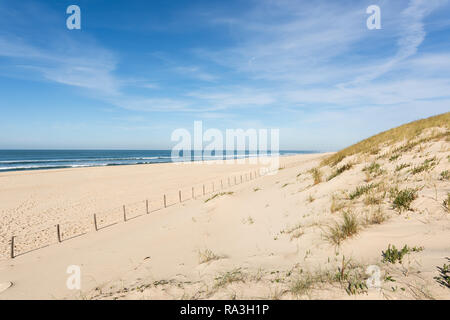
(404,198)
(393,255)
(444,275)
(311,198)
(445,175)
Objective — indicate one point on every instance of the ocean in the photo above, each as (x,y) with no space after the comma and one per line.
(19,160)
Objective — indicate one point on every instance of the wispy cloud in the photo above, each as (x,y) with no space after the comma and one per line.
(195,72)
(313,60)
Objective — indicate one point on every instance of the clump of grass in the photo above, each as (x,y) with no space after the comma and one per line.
(311,199)
(249,220)
(372,199)
(219,195)
(336,205)
(360,190)
(394,157)
(407,131)
(298,226)
(297,234)
(341,231)
(393,255)
(444,275)
(402,166)
(376,217)
(316,175)
(256,189)
(302,285)
(445,175)
(349,275)
(446,202)
(427,165)
(352,277)
(226,278)
(404,198)
(340,170)
(356,286)
(285,185)
(374,169)
(207,255)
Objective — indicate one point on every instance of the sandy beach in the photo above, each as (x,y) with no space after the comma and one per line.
(34,202)
(267,238)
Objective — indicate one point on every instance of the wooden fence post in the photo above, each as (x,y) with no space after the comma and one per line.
(95,222)
(179,195)
(12,247)
(165,203)
(221,184)
(229,184)
(58,233)
(203,189)
(124,214)
(241,178)
(234,180)
(146,206)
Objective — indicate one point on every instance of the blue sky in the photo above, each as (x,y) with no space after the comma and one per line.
(137,70)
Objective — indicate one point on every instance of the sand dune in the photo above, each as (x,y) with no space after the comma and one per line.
(279,236)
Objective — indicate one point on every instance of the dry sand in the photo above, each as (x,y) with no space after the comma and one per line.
(32,203)
(265,240)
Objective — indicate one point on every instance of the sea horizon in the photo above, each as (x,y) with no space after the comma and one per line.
(46,159)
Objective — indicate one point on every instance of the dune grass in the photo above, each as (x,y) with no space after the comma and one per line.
(341,231)
(360,190)
(207,255)
(408,132)
(316,175)
(340,170)
(219,195)
(404,198)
